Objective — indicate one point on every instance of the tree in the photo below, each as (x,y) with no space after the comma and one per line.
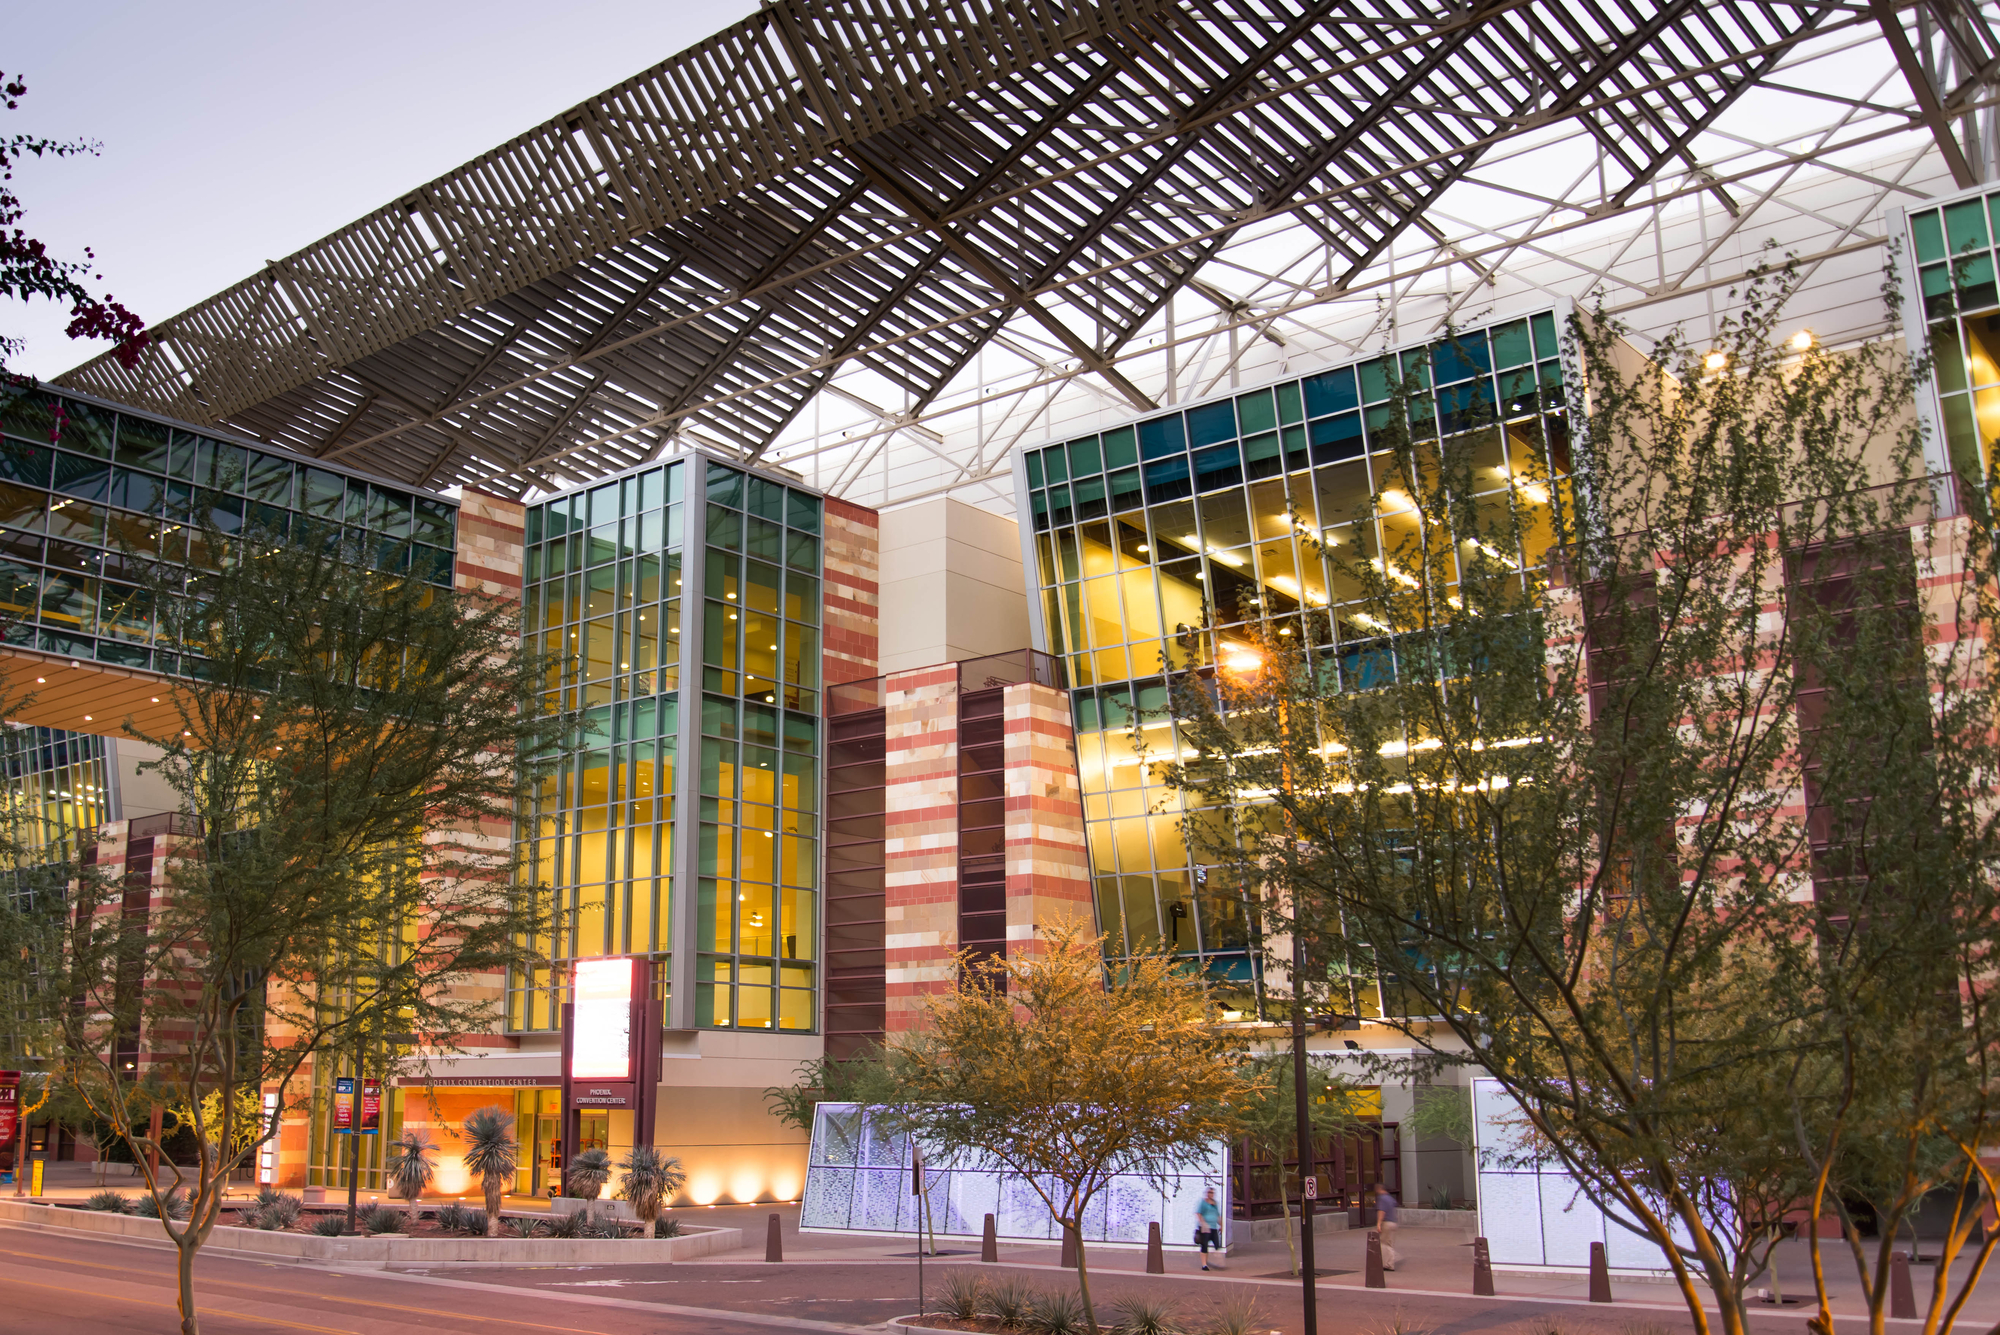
(586,1175)
(1541,776)
(411,1165)
(1271,1121)
(27,269)
(651,1178)
(492,1155)
(867,1080)
(1064,1077)
(352,745)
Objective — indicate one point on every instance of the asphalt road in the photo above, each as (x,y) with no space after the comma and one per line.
(66,1285)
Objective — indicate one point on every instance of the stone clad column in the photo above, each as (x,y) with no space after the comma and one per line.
(920,852)
(1048,868)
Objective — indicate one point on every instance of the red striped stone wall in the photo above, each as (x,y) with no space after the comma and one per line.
(851,638)
(1048,869)
(920,845)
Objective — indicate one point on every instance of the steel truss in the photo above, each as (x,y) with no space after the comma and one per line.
(929,221)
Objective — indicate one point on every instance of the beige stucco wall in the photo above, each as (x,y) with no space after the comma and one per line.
(951,585)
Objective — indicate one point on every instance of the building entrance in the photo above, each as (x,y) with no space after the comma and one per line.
(538,1125)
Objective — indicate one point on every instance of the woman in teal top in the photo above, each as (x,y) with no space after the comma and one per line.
(1208,1228)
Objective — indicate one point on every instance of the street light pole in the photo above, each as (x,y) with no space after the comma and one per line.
(1249,665)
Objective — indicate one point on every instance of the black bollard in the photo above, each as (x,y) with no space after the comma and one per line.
(1372,1276)
(774,1246)
(1482,1269)
(1156,1255)
(989,1243)
(1600,1275)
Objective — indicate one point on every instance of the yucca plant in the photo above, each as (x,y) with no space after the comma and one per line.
(329,1226)
(174,1205)
(412,1164)
(493,1154)
(1010,1301)
(651,1179)
(588,1173)
(1139,1315)
(964,1291)
(380,1219)
(572,1225)
(111,1202)
(1056,1312)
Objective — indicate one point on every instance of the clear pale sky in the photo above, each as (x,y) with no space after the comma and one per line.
(234,132)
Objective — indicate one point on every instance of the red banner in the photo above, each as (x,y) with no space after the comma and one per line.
(371,1106)
(10,1115)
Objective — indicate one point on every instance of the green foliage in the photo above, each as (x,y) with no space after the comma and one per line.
(667,1228)
(1552,807)
(1010,1301)
(1237,1314)
(274,1211)
(328,1226)
(575,1224)
(170,1204)
(492,1154)
(1057,1312)
(868,1078)
(412,1164)
(379,1219)
(587,1173)
(110,1202)
(1140,1315)
(962,1293)
(650,1180)
(1440,1110)
(1042,1064)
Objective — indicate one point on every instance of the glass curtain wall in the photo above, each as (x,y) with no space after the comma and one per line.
(601,599)
(604,573)
(1953,246)
(57,789)
(757,925)
(86,490)
(1189,522)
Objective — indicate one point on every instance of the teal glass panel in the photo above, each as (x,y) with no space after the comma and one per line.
(1965,226)
(725,528)
(802,511)
(725,486)
(1374,381)
(1161,436)
(1935,280)
(1949,360)
(1546,342)
(1290,408)
(676,483)
(1055,463)
(1121,448)
(1255,412)
(1084,457)
(1125,490)
(1511,345)
(1034,464)
(1929,234)
(767,499)
(802,551)
(652,490)
(1211,424)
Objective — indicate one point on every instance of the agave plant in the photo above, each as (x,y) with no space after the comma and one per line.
(588,1173)
(651,1179)
(412,1164)
(111,1202)
(492,1153)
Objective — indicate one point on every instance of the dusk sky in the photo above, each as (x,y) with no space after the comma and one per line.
(235,133)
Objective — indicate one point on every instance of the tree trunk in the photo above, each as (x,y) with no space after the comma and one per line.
(410,1211)
(1083,1274)
(494,1195)
(184,1275)
(651,1220)
(1285,1204)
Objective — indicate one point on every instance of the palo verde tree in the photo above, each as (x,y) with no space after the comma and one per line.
(351,746)
(1065,1077)
(1270,1118)
(1639,758)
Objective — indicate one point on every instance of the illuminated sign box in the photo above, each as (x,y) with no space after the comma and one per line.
(601,1045)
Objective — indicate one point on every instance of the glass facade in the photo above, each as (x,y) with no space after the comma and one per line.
(86,490)
(57,786)
(732,685)
(1953,248)
(1180,526)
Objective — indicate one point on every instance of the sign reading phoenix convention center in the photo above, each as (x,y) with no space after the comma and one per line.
(600,1060)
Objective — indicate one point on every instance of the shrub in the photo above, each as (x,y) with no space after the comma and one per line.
(1238,1316)
(476,1222)
(329,1226)
(176,1203)
(1440,1197)
(1060,1312)
(570,1225)
(964,1294)
(667,1228)
(451,1218)
(380,1219)
(274,1210)
(523,1228)
(1144,1316)
(1010,1301)
(110,1202)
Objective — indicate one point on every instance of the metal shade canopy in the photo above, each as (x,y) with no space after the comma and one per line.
(877,190)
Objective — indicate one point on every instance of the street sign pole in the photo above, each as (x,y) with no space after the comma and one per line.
(917,1190)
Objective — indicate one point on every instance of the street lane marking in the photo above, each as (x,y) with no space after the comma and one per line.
(175,1307)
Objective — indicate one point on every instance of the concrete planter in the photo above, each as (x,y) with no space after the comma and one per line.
(603,1209)
(1438,1218)
(1273,1229)
(389,1249)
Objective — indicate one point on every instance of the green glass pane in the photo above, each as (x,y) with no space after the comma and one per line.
(1374,381)
(1034,461)
(1950,361)
(1255,412)
(1546,343)
(1121,448)
(1965,226)
(1055,464)
(1936,282)
(725,485)
(1290,407)
(1961,441)
(1930,237)
(1126,493)
(1261,447)
(676,483)
(1511,345)
(652,490)
(1084,458)
(803,512)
